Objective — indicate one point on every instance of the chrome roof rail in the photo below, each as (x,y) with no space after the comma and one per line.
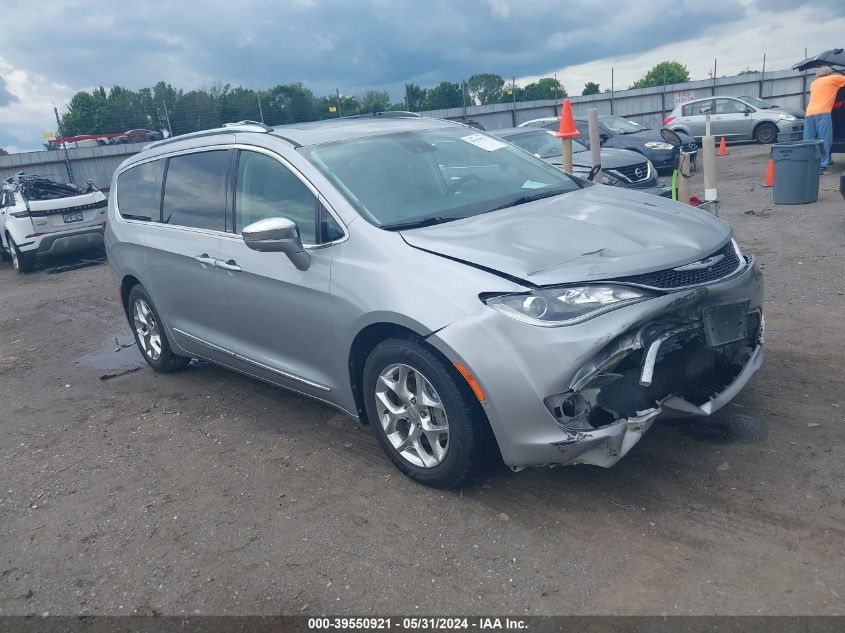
(228,128)
(249,126)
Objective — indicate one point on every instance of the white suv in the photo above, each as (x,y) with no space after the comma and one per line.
(41,217)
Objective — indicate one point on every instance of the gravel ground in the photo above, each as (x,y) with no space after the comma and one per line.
(207,492)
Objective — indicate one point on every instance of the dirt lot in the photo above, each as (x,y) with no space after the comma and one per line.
(206,492)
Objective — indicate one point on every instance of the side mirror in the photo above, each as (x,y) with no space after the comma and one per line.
(603,138)
(277,235)
(671,137)
(748,110)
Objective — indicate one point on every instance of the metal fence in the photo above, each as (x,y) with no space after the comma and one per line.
(648,106)
(89,163)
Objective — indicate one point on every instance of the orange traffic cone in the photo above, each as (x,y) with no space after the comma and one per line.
(567,123)
(770,174)
(723,147)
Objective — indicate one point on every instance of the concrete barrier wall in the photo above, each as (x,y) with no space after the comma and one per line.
(648,106)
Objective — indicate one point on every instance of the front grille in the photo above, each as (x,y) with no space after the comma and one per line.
(629,172)
(682,278)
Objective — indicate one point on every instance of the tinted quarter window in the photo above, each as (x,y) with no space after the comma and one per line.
(139,191)
(195,190)
(268,189)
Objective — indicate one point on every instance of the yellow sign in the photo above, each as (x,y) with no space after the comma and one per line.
(48,135)
(332,109)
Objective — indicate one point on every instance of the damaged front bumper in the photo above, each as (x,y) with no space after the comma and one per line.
(607,445)
(587,393)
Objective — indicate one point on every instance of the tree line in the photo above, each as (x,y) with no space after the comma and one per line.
(164,107)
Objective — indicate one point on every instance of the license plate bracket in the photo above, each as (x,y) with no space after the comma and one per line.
(73,216)
(725,322)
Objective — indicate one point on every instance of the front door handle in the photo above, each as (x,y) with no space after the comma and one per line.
(231,265)
(205,260)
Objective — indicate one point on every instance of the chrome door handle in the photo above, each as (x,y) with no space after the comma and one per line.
(205,260)
(231,265)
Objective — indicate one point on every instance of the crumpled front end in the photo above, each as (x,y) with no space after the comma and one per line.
(587,393)
(668,367)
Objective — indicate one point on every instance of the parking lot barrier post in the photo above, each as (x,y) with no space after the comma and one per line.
(595,143)
(708,149)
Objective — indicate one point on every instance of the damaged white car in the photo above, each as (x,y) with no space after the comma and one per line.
(39,216)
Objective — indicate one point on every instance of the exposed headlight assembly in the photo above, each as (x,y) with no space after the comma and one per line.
(783,116)
(551,307)
(608,179)
(658,145)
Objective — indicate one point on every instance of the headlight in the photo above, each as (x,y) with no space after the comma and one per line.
(658,145)
(607,179)
(549,307)
(783,116)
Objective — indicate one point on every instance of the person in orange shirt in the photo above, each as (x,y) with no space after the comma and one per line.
(818,123)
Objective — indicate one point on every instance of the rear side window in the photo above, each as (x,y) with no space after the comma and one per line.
(195,190)
(139,191)
(268,189)
(695,108)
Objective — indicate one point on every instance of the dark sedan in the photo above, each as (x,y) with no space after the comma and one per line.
(620,168)
(621,133)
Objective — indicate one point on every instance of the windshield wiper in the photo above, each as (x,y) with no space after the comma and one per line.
(530,197)
(416,224)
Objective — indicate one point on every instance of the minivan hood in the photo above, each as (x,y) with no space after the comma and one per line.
(598,232)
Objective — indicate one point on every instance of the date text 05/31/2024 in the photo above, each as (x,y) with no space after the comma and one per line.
(416,623)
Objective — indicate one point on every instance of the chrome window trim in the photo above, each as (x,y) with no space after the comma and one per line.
(229,146)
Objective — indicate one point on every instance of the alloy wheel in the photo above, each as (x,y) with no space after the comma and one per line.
(146,327)
(412,415)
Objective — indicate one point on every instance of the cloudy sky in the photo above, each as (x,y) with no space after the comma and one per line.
(50,50)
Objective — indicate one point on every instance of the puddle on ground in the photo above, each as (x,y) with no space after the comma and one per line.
(117,353)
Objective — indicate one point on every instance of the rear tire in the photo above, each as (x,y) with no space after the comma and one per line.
(431,426)
(766,133)
(21,262)
(151,334)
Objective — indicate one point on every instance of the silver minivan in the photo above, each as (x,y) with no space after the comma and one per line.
(736,118)
(466,299)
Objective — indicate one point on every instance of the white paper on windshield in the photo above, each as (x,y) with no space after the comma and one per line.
(484,142)
(533,184)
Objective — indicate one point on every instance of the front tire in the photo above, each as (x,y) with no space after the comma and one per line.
(150,333)
(423,413)
(766,133)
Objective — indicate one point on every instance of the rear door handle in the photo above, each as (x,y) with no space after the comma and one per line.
(231,265)
(205,260)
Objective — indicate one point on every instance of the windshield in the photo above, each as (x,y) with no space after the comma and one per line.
(758,103)
(435,175)
(618,125)
(542,143)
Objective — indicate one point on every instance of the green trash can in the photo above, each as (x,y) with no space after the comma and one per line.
(797,165)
